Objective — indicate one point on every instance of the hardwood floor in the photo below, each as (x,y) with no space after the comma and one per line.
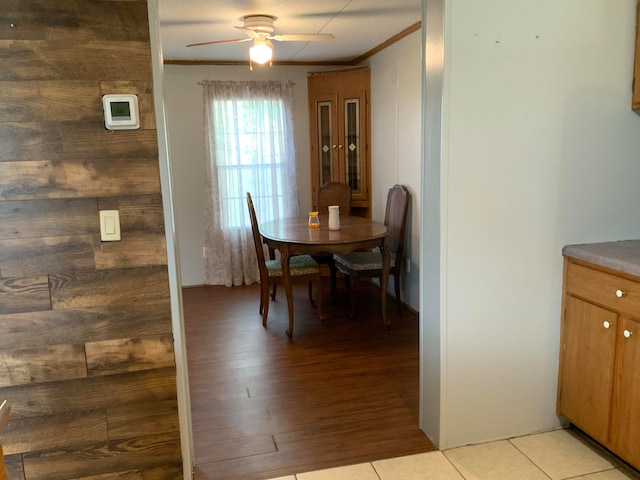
(338,393)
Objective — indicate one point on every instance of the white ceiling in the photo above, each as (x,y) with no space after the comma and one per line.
(358,26)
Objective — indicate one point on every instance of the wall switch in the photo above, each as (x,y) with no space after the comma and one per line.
(110,225)
(408,264)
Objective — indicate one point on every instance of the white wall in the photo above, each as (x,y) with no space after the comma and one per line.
(185,120)
(396,141)
(539,149)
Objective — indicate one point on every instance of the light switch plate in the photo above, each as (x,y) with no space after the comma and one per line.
(109,225)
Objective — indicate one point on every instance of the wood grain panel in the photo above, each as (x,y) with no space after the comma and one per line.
(107,287)
(45,101)
(86,140)
(165,472)
(24,219)
(119,20)
(63,20)
(144,90)
(53,327)
(41,20)
(64,430)
(144,419)
(135,250)
(140,213)
(14,467)
(113,456)
(40,179)
(64,60)
(39,365)
(129,355)
(29,140)
(33,256)
(24,294)
(93,393)
(57,164)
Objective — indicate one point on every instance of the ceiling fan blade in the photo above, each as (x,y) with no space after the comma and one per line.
(235,40)
(312,37)
(248,31)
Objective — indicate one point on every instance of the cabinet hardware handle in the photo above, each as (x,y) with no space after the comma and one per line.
(619,293)
(627,333)
(335,146)
(606,324)
(339,146)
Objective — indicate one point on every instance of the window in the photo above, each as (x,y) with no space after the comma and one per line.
(251,151)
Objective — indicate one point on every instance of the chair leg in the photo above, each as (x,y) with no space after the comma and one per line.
(334,282)
(396,281)
(264,304)
(310,288)
(320,295)
(352,295)
(273,292)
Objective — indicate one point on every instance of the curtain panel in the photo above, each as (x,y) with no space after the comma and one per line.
(249,148)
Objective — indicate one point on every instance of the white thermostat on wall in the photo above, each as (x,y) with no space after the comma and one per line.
(121,112)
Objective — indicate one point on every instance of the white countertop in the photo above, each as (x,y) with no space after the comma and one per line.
(623,256)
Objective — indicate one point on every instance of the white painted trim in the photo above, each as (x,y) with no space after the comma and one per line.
(173,261)
(432,230)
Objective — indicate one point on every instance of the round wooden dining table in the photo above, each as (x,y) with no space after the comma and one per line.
(292,236)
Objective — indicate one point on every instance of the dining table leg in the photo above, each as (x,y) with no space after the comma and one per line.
(384,281)
(286,275)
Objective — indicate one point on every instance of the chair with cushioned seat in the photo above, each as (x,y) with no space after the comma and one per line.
(302,268)
(357,265)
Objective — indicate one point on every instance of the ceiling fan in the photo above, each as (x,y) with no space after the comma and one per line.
(259,30)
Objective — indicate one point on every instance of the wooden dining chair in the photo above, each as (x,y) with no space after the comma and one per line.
(301,267)
(332,193)
(356,265)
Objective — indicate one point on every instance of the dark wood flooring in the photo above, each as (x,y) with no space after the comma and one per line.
(338,393)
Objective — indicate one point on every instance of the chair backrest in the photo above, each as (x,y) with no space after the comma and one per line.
(395,218)
(257,239)
(333,193)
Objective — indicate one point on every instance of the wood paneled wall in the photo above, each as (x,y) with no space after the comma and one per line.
(86,347)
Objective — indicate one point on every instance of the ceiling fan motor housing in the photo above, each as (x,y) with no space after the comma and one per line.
(262,24)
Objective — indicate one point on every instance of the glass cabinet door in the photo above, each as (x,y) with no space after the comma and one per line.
(326,144)
(352,145)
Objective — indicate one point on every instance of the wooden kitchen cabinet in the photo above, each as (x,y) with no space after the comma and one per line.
(626,415)
(340,126)
(599,376)
(588,350)
(635,99)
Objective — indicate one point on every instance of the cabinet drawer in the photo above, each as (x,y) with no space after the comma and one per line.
(616,293)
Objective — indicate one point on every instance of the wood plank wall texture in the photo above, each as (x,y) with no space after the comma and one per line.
(86,347)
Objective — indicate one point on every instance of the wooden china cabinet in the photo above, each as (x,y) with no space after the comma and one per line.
(340,123)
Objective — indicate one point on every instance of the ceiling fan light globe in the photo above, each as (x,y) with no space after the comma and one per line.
(261,53)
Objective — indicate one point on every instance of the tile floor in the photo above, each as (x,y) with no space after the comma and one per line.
(555,455)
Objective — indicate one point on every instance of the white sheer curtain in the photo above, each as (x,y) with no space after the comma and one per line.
(249,148)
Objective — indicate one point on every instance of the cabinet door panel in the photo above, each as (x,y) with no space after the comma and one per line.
(587,362)
(326,141)
(352,140)
(626,418)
